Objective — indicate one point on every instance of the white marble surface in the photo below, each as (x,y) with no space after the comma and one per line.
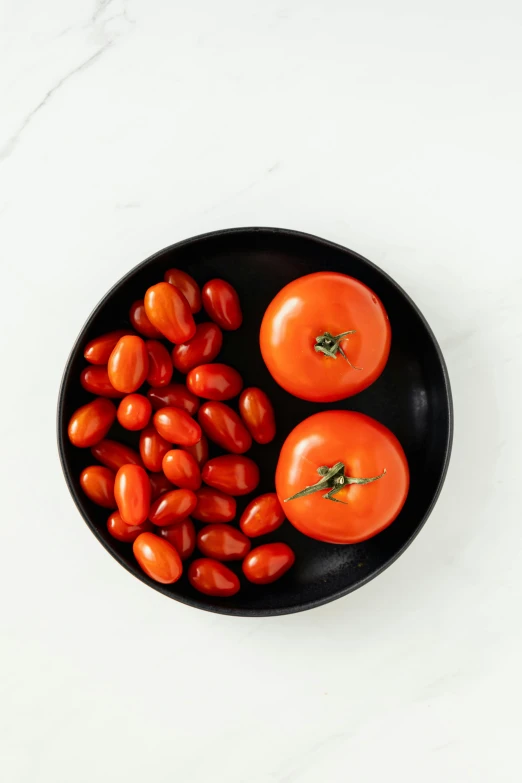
(392,128)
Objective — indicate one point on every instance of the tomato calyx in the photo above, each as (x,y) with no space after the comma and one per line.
(334,480)
(330,345)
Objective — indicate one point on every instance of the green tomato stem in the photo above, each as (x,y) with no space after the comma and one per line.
(334,480)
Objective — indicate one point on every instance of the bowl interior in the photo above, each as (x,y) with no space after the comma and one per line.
(411,397)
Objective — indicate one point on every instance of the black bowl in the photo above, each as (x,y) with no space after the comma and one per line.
(412,397)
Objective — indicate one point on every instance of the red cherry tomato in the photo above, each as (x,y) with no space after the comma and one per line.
(223,542)
(153,448)
(182,537)
(214,506)
(128,364)
(214,381)
(172,507)
(159,484)
(158,558)
(132,493)
(232,474)
(134,412)
(187,285)
(213,578)
(222,425)
(268,562)
(168,310)
(160,364)
(176,426)
(263,515)
(359,448)
(181,468)
(204,347)
(95,379)
(98,484)
(221,302)
(258,414)
(126,533)
(99,349)
(199,451)
(114,455)
(175,395)
(139,320)
(91,423)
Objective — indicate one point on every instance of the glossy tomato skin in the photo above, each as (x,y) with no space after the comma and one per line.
(114,455)
(213,578)
(221,303)
(90,423)
(159,484)
(97,351)
(175,395)
(181,468)
(222,425)
(232,474)
(158,558)
(139,320)
(187,285)
(132,492)
(168,310)
(199,451)
(160,364)
(223,542)
(95,380)
(134,412)
(201,349)
(128,364)
(126,533)
(153,448)
(172,507)
(97,482)
(263,515)
(267,563)
(182,537)
(307,308)
(258,414)
(214,381)
(176,426)
(366,448)
(214,506)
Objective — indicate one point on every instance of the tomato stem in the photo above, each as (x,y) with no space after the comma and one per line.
(330,345)
(334,480)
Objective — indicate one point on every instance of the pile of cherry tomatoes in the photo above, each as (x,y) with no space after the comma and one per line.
(154,494)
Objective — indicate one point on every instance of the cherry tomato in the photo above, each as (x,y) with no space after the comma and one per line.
(176,426)
(214,506)
(98,484)
(158,558)
(233,474)
(199,451)
(204,347)
(181,468)
(268,562)
(91,423)
(212,578)
(175,395)
(114,455)
(99,349)
(187,285)
(128,364)
(172,507)
(346,454)
(95,379)
(134,412)
(159,484)
(132,492)
(126,533)
(139,320)
(214,381)
(319,314)
(221,302)
(182,537)
(153,448)
(169,311)
(222,425)
(258,414)
(263,515)
(160,364)
(223,542)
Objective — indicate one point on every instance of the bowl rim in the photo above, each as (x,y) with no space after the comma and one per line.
(202,603)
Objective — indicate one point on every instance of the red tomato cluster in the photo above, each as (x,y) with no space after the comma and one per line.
(155,492)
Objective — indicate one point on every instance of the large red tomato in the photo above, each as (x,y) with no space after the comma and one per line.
(325,336)
(341,477)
